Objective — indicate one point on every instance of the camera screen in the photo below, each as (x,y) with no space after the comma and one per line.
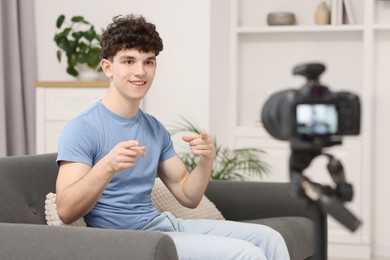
(316,119)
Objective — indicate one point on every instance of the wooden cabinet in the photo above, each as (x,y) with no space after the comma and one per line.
(57,103)
(261,61)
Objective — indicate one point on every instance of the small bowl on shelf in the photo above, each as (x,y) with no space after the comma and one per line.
(281,18)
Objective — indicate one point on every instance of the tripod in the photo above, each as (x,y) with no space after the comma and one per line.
(329,199)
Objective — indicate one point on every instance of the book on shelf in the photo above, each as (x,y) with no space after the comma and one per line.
(341,12)
(334,12)
(349,17)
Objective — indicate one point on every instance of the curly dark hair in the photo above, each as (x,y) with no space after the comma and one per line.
(127,32)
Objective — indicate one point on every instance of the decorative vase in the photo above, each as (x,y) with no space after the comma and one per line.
(322,14)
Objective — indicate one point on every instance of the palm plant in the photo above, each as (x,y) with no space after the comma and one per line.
(229,164)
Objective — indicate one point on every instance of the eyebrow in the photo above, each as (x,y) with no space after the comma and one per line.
(132,57)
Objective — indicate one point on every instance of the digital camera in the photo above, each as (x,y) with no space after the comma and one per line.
(312,115)
(311,118)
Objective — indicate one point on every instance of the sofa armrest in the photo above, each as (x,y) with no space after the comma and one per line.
(242,201)
(246,201)
(239,200)
(29,241)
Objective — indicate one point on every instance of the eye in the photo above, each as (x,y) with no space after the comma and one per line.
(128,62)
(150,62)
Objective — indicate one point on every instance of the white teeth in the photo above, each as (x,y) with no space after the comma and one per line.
(138,83)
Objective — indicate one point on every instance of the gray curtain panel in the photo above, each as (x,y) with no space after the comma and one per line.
(17,76)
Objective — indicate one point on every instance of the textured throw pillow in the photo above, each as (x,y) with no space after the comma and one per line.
(163,200)
(52,218)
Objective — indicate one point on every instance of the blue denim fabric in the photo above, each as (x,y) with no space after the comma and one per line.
(218,239)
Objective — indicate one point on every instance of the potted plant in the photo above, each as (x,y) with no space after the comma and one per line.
(229,164)
(79,42)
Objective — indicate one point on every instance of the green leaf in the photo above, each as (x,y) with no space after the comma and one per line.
(60,21)
(83,47)
(81,58)
(90,34)
(72,59)
(63,44)
(62,35)
(72,71)
(66,31)
(79,19)
(77,35)
(73,45)
(93,57)
(59,55)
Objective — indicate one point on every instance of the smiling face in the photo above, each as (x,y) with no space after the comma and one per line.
(131,74)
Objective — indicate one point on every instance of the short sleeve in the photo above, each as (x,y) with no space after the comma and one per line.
(76,142)
(168,149)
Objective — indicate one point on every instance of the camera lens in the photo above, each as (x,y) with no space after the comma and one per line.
(276,114)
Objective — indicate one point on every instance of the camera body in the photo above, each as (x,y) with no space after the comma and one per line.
(313,116)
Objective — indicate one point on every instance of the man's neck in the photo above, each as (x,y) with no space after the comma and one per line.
(120,106)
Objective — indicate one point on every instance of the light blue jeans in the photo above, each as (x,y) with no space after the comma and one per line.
(219,239)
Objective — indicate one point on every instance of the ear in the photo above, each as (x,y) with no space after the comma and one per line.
(106,67)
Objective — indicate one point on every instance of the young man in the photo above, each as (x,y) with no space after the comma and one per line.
(110,154)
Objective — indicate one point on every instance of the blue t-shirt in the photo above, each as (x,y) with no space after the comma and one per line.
(126,201)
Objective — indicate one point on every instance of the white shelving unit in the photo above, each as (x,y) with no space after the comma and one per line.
(57,103)
(261,62)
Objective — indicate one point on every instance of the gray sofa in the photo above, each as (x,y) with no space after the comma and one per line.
(25,181)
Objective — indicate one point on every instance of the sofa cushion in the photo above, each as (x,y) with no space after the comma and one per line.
(298,232)
(163,200)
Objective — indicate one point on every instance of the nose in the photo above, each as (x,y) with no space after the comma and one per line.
(139,69)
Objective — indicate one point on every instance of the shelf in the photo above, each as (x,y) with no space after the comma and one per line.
(295,29)
(381,27)
(72,84)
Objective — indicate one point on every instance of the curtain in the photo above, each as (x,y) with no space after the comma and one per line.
(17,76)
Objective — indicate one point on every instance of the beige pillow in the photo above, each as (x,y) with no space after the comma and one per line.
(163,200)
(51,215)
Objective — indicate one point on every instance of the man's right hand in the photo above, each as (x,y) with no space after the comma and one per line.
(124,155)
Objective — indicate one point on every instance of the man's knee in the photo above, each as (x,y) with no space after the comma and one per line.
(215,247)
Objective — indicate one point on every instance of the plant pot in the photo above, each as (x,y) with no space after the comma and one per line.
(86,73)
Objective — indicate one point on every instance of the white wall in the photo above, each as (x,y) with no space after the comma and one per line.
(182,82)
(219,67)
